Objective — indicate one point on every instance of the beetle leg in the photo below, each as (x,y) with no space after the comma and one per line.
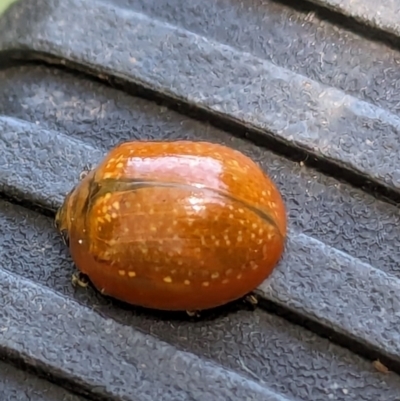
(65,237)
(86,170)
(251,300)
(79,279)
(193,313)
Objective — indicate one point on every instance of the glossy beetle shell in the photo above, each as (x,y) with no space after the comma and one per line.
(174,225)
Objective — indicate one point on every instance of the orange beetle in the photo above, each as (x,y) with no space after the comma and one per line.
(174,225)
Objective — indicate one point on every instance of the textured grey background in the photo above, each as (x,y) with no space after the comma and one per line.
(341,265)
(237,86)
(17,385)
(259,346)
(361,302)
(383,16)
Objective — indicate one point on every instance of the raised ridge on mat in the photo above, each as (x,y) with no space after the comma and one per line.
(302,37)
(308,118)
(321,206)
(16,385)
(270,350)
(380,15)
(34,184)
(138,366)
(298,284)
(241,354)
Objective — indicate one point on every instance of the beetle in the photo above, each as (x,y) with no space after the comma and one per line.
(178,226)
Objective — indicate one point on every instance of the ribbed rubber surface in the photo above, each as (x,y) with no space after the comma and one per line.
(311,101)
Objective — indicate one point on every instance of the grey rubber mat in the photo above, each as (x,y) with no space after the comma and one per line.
(314,103)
